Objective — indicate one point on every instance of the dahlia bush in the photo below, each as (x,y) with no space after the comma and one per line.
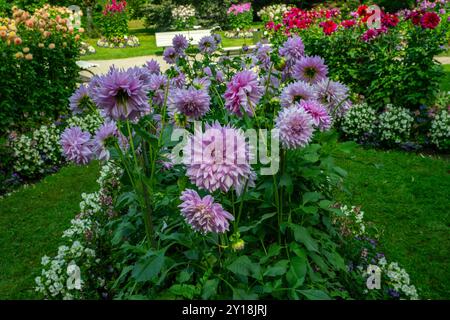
(224,182)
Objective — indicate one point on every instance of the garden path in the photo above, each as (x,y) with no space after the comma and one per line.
(103,65)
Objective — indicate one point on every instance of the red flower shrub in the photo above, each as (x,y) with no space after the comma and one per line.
(329,27)
(430,20)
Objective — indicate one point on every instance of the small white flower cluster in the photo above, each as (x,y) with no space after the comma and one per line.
(33,152)
(68,275)
(90,203)
(120,42)
(61,276)
(273,12)
(359,122)
(86,48)
(89,122)
(440,130)
(395,124)
(183,13)
(398,278)
(357,217)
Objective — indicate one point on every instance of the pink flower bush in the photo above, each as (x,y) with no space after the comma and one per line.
(239,8)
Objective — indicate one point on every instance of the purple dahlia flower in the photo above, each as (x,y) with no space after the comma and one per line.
(179,81)
(263,52)
(153,66)
(310,69)
(202,83)
(180,43)
(243,91)
(157,85)
(296,127)
(293,49)
(207,45)
(319,114)
(79,100)
(219,159)
(296,92)
(333,95)
(191,102)
(77,145)
(170,55)
(203,214)
(121,95)
(105,132)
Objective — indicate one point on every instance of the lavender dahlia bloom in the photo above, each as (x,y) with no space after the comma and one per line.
(207,44)
(310,69)
(263,55)
(203,214)
(218,38)
(296,92)
(79,100)
(333,95)
(319,114)
(179,81)
(77,145)
(170,55)
(191,102)
(180,43)
(157,85)
(153,66)
(243,91)
(105,132)
(296,127)
(121,95)
(202,83)
(219,159)
(293,49)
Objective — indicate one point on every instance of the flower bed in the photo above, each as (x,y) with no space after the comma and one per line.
(213,216)
(388,64)
(38,67)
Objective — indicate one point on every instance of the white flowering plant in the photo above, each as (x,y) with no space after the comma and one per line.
(184,16)
(395,124)
(440,130)
(78,269)
(361,243)
(360,122)
(273,12)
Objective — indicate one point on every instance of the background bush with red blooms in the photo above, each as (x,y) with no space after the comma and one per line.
(115,20)
(38,70)
(391,61)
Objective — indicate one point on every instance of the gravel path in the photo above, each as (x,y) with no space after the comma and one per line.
(103,65)
(139,61)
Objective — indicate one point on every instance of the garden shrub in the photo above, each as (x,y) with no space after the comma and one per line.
(240,16)
(440,130)
(395,124)
(394,64)
(360,123)
(38,72)
(115,20)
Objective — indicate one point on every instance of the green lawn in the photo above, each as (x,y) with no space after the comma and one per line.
(148,45)
(446,81)
(407,195)
(31,224)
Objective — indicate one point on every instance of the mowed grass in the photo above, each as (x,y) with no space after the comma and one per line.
(445,86)
(147,44)
(407,196)
(31,224)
